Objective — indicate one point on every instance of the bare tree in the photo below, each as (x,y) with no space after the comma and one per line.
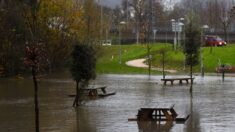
(225,17)
(140,14)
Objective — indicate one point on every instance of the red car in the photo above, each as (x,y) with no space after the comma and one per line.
(214,41)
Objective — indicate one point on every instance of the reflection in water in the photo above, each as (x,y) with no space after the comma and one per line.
(193,125)
(154,126)
(84,121)
(212,105)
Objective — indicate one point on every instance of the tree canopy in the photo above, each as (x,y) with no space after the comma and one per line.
(83,64)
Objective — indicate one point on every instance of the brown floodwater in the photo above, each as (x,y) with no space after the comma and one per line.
(212,105)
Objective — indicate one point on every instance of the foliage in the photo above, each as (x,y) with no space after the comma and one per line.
(58,19)
(83,64)
(192,43)
(55,24)
(92,22)
(12,39)
(35,57)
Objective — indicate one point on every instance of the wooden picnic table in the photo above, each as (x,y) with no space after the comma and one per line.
(98,91)
(186,79)
(159,114)
(93,91)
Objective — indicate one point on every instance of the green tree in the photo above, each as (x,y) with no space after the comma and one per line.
(91,18)
(59,21)
(83,67)
(192,45)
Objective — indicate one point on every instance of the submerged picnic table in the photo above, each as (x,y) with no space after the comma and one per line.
(159,114)
(95,91)
(186,79)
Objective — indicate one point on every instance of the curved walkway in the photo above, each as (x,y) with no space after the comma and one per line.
(140,63)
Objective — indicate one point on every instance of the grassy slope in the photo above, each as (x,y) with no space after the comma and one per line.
(225,54)
(174,60)
(108,65)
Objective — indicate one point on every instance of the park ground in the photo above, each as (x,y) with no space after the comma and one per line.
(109,58)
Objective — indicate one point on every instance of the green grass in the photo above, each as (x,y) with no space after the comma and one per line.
(108,60)
(226,55)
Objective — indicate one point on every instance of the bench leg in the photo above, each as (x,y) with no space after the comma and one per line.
(164,82)
(180,81)
(187,81)
(171,82)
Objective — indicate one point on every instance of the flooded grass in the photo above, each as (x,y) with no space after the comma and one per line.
(211,105)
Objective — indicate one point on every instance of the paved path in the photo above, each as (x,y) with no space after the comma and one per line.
(140,63)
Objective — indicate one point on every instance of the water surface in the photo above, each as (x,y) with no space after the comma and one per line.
(211,105)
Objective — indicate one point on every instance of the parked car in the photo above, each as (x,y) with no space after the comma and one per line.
(211,40)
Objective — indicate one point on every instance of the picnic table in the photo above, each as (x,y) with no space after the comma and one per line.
(186,79)
(98,91)
(159,114)
(95,91)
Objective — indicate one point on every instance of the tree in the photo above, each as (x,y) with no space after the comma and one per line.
(91,22)
(225,17)
(34,56)
(163,51)
(139,17)
(61,22)
(83,67)
(192,44)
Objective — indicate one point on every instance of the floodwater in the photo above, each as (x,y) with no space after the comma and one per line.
(212,105)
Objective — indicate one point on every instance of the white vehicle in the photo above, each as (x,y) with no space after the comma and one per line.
(107,42)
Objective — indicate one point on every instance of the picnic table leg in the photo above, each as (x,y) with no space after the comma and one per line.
(187,81)
(103,90)
(174,114)
(93,93)
(167,115)
(165,82)
(180,81)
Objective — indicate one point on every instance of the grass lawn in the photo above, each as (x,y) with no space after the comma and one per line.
(109,62)
(224,55)
(108,59)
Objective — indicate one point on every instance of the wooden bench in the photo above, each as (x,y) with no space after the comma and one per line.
(177,79)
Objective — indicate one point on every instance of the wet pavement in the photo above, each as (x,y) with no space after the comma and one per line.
(211,105)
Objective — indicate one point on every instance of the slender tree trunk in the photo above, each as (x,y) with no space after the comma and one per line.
(225,34)
(75,103)
(191,73)
(149,60)
(163,65)
(35,99)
